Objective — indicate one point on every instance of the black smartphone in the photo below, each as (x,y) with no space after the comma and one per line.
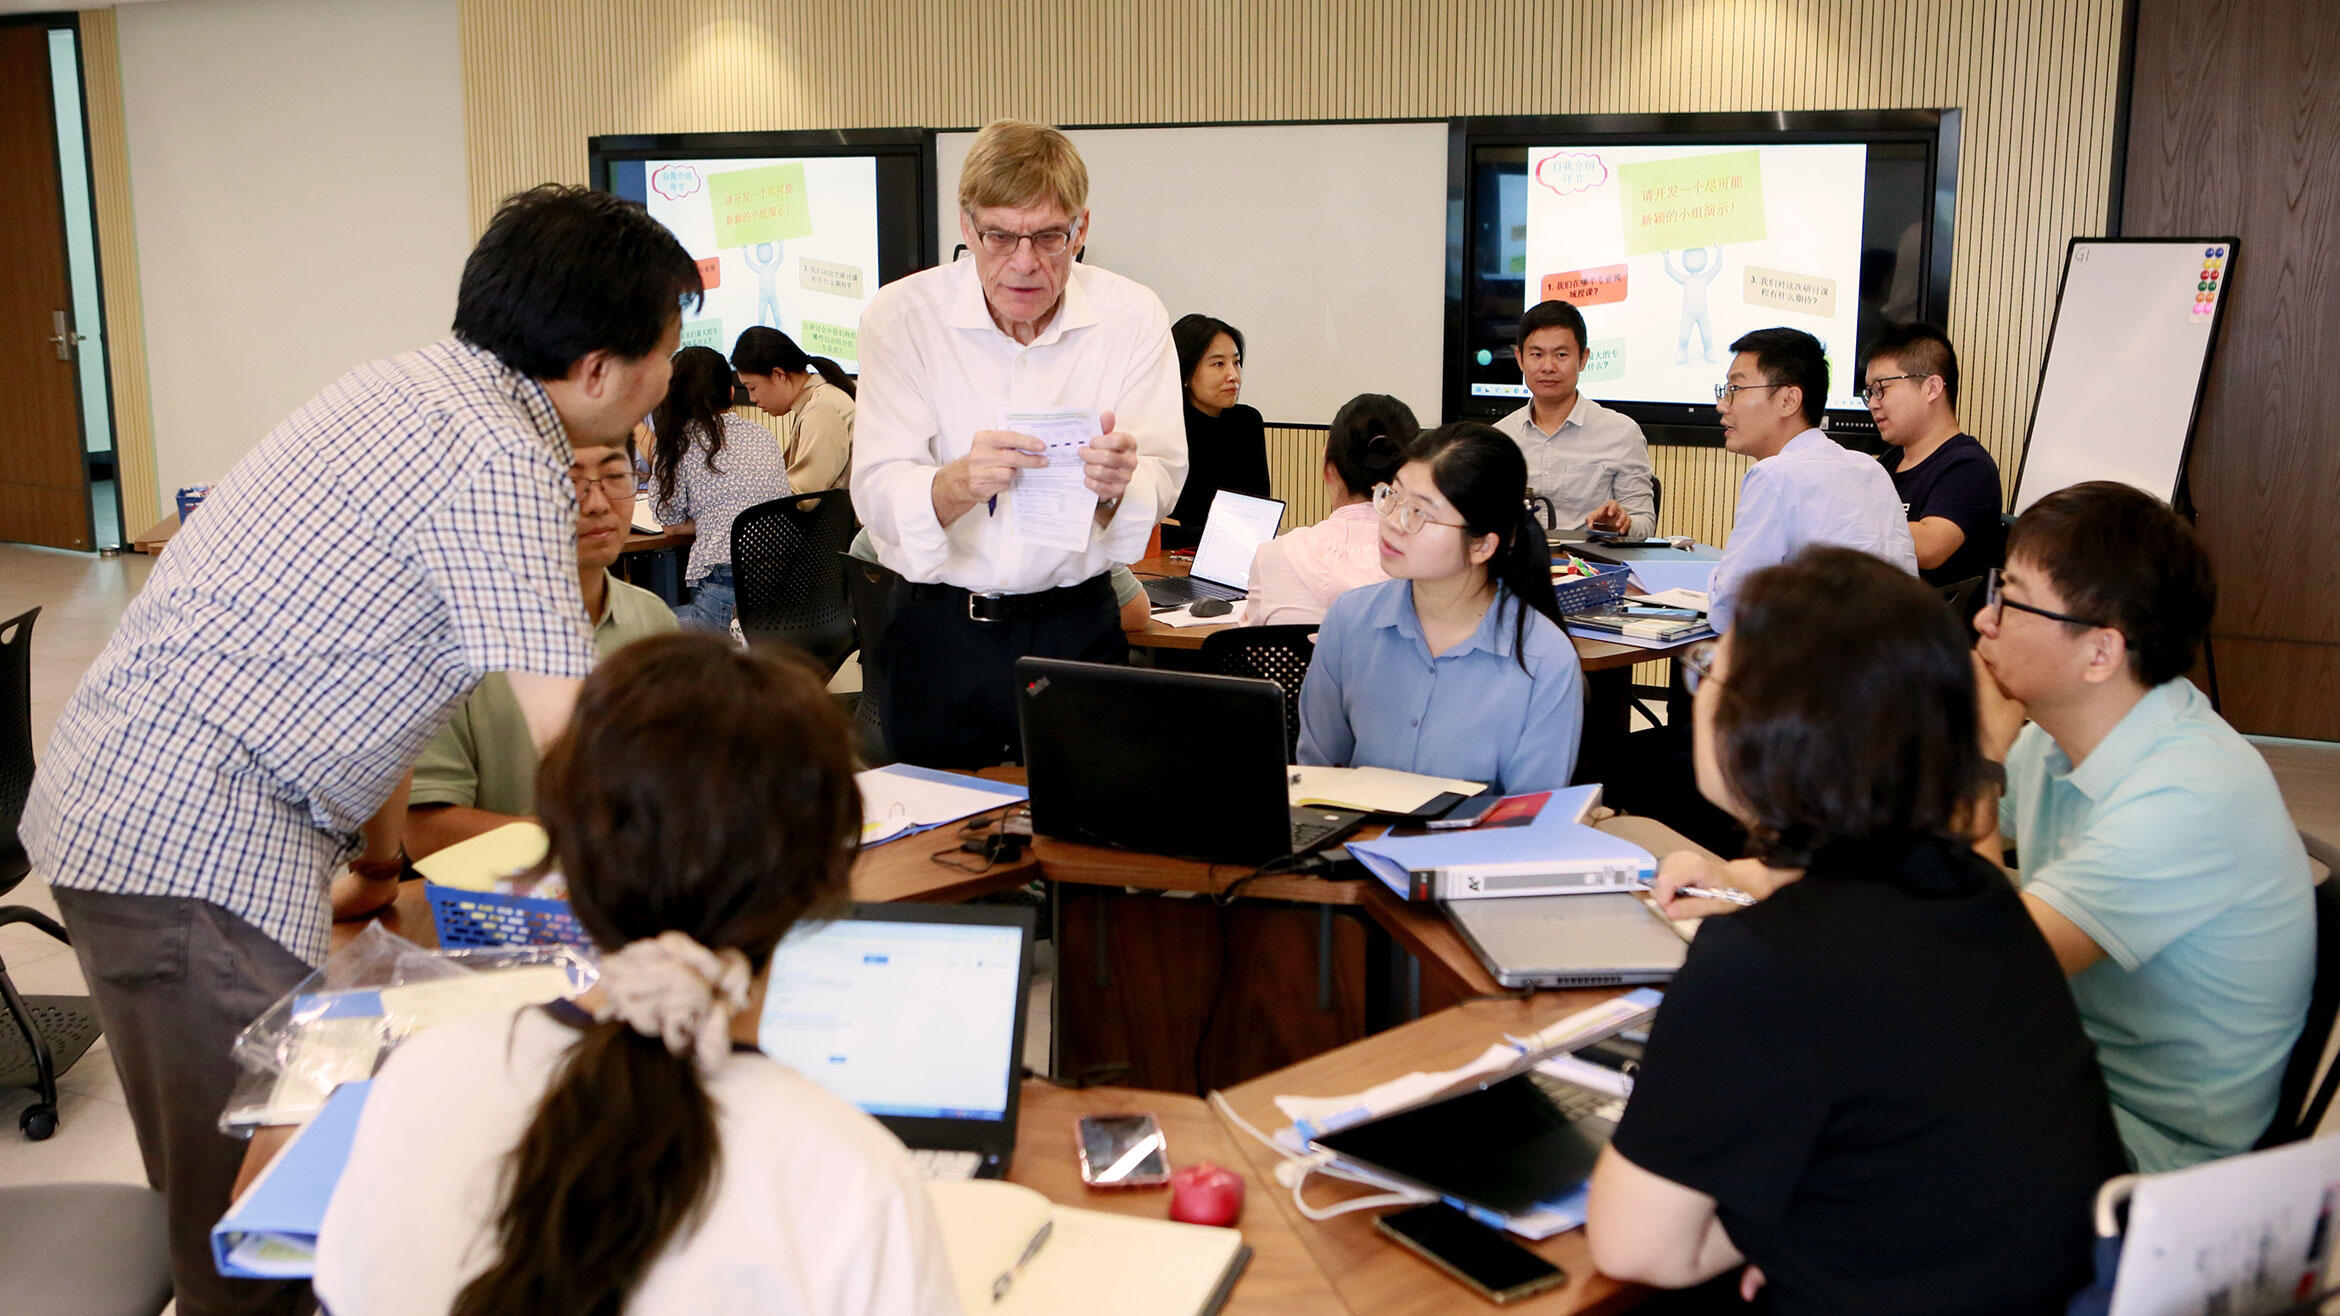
(1470,813)
(1494,1266)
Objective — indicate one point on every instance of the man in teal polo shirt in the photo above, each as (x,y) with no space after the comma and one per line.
(479,771)
(2156,853)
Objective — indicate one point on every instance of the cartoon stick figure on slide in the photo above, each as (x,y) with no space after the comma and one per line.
(1696,270)
(764,259)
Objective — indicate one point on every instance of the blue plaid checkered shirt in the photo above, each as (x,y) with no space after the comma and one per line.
(409,530)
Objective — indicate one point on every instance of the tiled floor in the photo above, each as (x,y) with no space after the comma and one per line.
(82,597)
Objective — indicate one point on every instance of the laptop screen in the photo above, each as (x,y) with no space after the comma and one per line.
(906,1019)
(1237,525)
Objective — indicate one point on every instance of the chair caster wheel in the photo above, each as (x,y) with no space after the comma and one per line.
(38,1121)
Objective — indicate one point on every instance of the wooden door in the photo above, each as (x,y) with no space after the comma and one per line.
(44,494)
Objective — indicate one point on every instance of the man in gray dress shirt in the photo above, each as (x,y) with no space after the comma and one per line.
(1589,462)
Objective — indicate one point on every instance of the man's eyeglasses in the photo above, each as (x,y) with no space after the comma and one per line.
(1405,511)
(1728,392)
(1698,664)
(1047,242)
(1876,388)
(1995,602)
(616,488)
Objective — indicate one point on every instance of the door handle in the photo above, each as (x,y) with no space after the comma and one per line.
(65,338)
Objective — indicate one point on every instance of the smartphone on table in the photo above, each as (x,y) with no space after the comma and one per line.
(1485,1260)
(1122,1151)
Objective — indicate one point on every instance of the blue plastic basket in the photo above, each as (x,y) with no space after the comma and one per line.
(489,918)
(1594,592)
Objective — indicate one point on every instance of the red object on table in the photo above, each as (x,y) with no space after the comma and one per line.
(1205,1194)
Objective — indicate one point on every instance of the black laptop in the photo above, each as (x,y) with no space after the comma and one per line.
(915,1013)
(1174,763)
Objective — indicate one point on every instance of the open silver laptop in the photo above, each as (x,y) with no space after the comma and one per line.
(915,1013)
(1606,939)
(1237,525)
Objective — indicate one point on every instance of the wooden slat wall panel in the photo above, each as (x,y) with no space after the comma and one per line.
(2038,83)
(117,234)
(2235,131)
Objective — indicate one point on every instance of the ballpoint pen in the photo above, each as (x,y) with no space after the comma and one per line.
(1007,1278)
(1731,895)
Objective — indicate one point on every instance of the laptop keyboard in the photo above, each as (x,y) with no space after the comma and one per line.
(1178,591)
(932,1163)
(1574,1102)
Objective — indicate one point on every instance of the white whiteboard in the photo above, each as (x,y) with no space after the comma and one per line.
(2134,324)
(1325,243)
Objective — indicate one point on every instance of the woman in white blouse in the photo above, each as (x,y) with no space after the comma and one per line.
(633,1150)
(1297,575)
(707,465)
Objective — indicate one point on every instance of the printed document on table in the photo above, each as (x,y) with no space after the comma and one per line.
(1052,505)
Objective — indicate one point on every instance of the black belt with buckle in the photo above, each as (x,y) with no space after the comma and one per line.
(1018,607)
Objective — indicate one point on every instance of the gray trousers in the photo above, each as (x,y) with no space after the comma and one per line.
(174,980)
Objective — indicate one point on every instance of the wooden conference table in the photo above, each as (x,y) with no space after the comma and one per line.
(1150,969)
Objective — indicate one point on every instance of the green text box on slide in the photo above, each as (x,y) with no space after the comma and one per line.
(1692,201)
(766,204)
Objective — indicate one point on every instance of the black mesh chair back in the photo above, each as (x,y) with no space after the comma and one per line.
(16,747)
(2301,1101)
(1277,653)
(1964,597)
(870,588)
(788,566)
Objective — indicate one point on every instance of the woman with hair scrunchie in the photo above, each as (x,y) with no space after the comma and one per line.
(634,1151)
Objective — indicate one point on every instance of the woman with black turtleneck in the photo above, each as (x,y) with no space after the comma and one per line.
(1226,442)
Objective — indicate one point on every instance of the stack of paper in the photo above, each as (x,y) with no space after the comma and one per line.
(899,799)
(479,863)
(1373,790)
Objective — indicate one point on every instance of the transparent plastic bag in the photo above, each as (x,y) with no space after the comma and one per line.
(342,1019)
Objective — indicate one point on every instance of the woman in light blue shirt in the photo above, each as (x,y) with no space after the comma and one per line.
(1457,665)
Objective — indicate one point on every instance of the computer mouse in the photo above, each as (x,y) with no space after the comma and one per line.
(1211,608)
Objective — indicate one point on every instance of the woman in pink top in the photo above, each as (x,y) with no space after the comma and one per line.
(1296,576)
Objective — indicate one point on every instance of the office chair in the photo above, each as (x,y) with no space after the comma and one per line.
(46,1034)
(2301,1101)
(101,1249)
(1657,501)
(870,589)
(788,566)
(1277,653)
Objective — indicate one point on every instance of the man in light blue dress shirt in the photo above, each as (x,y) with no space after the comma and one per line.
(1805,488)
(2157,856)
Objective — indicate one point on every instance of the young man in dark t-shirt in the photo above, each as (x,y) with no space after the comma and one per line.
(1948,482)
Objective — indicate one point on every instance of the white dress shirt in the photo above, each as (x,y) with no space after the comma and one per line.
(1596,455)
(1813,491)
(935,369)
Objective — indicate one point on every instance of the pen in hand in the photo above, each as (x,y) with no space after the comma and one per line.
(1728,895)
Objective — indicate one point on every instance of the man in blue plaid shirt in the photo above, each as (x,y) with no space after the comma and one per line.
(251,723)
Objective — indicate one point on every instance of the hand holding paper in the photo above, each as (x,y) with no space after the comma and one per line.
(1111,459)
(1053,502)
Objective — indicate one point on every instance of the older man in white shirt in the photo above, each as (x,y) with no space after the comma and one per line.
(946,355)
(1805,488)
